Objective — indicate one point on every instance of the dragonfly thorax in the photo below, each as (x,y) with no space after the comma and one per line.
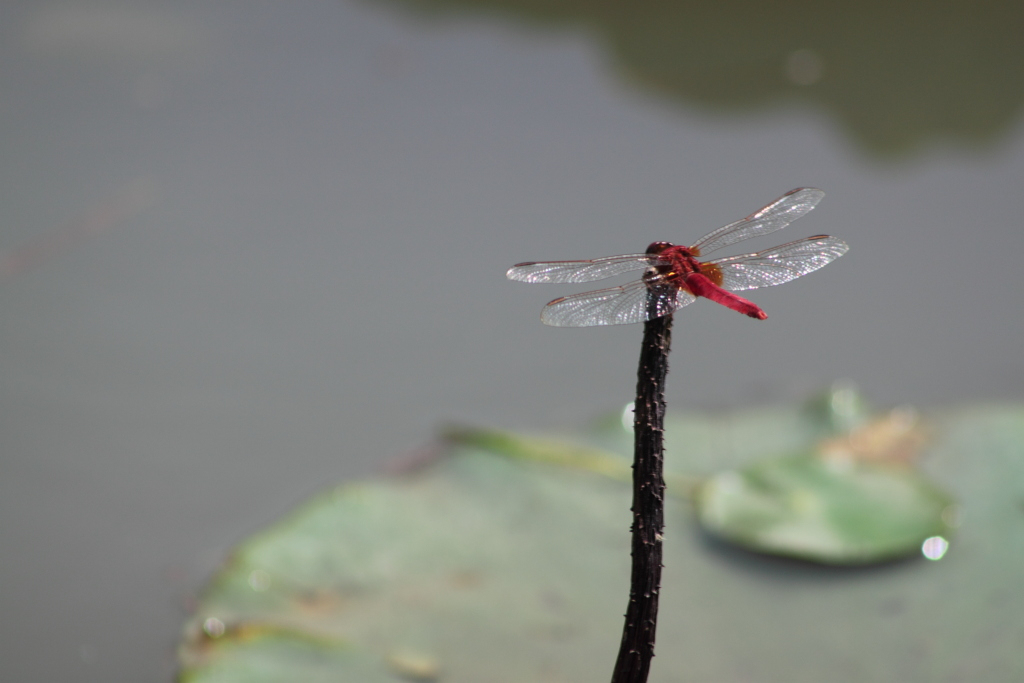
(675,260)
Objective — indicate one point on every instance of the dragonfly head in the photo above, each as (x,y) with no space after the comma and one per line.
(669,251)
(658,247)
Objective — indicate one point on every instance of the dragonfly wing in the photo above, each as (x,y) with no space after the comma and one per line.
(775,216)
(580,271)
(631,303)
(778,264)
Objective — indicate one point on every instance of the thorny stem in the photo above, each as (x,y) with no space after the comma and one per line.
(637,648)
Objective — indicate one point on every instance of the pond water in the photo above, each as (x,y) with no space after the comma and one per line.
(252,249)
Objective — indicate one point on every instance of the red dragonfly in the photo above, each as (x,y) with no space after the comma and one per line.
(673,277)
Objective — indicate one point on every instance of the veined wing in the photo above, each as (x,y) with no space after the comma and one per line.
(775,216)
(580,271)
(778,264)
(630,303)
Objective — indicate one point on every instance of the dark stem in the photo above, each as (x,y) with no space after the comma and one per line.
(637,648)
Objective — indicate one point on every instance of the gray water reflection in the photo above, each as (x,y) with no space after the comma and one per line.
(896,77)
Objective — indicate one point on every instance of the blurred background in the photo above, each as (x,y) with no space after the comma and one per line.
(251,249)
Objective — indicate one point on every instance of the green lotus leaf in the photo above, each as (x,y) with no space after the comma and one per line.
(506,559)
(841,512)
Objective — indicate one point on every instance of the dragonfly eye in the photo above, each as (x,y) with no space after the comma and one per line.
(658,247)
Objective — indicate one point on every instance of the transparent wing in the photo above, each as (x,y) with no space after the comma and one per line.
(629,303)
(778,264)
(580,271)
(775,216)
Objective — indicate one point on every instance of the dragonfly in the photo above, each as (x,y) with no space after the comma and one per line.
(674,276)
